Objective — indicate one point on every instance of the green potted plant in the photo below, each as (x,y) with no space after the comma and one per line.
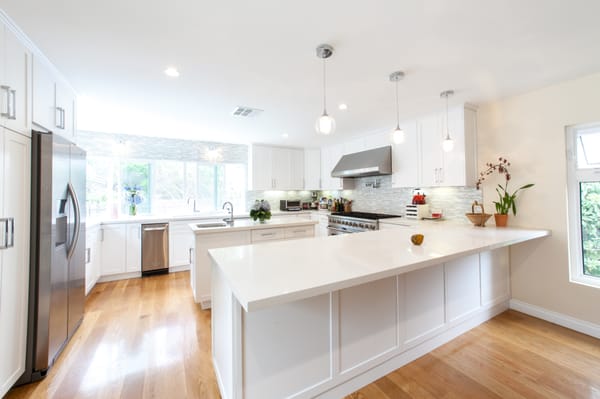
(506,201)
(261,210)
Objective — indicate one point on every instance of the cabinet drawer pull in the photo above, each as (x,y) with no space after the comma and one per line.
(267,234)
(12,105)
(299,231)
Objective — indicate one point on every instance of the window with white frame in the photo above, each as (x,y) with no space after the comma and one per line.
(583,179)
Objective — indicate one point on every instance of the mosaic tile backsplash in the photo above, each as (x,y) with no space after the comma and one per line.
(453,201)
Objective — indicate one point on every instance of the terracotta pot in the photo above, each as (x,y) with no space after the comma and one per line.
(501,219)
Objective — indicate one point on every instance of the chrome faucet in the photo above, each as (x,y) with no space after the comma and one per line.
(230,210)
(193,199)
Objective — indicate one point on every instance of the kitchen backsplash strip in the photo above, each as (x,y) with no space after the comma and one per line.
(454,201)
(140,147)
(275,196)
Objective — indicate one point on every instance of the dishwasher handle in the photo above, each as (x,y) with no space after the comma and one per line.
(154,228)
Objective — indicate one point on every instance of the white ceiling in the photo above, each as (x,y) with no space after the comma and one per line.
(262,54)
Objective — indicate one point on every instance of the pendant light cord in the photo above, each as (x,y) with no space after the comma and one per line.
(447,127)
(324,88)
(397,108)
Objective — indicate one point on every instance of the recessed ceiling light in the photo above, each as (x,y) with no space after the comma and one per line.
(172,72)
(343,106)
(285,135)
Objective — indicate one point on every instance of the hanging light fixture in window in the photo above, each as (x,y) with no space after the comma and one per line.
(325,124)
(398,134)
(448,143)
(213,154)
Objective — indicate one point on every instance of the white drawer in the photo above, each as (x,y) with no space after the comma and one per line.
(299,231)
(268,234)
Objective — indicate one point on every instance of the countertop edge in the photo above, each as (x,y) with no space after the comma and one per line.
(263,303)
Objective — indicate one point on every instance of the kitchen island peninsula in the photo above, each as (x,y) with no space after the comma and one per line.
(322,317)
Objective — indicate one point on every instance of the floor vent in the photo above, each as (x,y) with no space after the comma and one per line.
(246,112)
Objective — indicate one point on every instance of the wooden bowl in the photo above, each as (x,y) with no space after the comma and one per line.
(478,219)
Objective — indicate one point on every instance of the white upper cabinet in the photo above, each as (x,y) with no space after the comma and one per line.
(330,156)
(454,168)
(312,169)
(53,101)
(405,158)
(275,168)
(15,90)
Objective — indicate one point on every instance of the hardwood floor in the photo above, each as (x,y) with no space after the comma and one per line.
(146,338)
(140,338)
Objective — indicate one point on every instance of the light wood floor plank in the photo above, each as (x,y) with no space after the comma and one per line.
(146,338)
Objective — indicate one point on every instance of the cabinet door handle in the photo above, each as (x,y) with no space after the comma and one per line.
(9,233)
(441,177)
(62,118)
(12,106)
(58,117)
(5,101)
(101,235)
(88,255)
(191,251)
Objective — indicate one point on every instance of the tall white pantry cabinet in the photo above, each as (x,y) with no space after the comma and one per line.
(15,186)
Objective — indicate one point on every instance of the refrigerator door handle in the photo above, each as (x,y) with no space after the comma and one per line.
(9,233)
(77,220)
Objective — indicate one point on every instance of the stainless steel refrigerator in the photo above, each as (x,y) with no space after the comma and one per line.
(57,275)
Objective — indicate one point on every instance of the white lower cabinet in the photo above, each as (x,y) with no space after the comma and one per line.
(134,248)
(114,249)
(121,249)
(204,242)
(93,259)
(321,228)
(15,183)
(181,244)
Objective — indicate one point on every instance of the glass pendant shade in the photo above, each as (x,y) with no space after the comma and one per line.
(448,144)
(398,135)
(325,124)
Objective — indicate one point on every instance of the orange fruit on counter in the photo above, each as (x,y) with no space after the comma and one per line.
(417,239)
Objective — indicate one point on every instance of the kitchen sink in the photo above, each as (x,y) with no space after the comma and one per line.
(205,225)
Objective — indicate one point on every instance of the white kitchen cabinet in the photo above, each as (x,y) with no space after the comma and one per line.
(454,168)
(114,249)
(15,183)
(15,82)
(312,169)
(202,275)
(275,168)
(297,178)
(181,244)
(321,228)
(53,101)
(462,287)
(134,248)
(92,257)
(330,156)
(405,158)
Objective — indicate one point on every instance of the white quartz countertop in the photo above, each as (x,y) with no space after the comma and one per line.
(249,224)
(196,216)
(268,274)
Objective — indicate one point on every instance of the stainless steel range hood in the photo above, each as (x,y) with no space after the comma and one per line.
(374,162)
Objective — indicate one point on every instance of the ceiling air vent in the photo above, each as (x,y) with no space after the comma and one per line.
(246,112)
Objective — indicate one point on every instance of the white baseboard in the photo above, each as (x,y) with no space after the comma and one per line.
(122,276)
(582,326)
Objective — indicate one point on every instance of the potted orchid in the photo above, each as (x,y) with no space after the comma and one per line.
(261,210)
(506,201)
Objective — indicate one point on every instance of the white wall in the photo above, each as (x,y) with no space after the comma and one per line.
(529,130)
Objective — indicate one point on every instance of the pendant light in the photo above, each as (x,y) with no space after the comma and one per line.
(325,124)
(397,135)
(448,143)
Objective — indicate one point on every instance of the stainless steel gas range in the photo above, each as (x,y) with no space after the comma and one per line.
(354,222)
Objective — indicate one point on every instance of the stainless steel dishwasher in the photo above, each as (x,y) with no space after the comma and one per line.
(155,248)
